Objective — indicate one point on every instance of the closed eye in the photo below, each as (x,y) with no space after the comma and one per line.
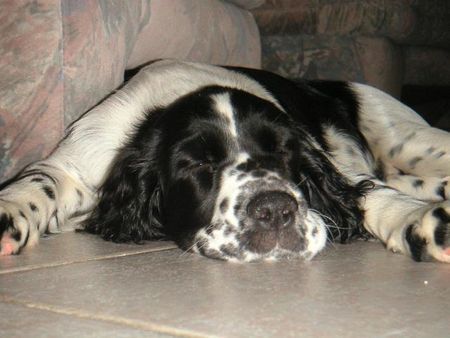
(202,165)
(201,152)
(208,166)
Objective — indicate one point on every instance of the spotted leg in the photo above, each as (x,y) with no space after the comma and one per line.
(409,214)
(39,201)
(408,225)
(422,187)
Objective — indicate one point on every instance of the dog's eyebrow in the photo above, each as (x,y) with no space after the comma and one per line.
(205,141)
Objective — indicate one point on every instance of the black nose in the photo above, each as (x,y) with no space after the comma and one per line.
(273,209)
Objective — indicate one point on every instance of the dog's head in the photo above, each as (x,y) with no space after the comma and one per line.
(226,174)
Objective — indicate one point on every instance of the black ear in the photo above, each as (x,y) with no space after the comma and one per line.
(130,201)
(330,193)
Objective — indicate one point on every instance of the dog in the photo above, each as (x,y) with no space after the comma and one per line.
(240,165)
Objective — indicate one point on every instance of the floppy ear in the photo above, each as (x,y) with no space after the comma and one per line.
(335,197)
(130,198)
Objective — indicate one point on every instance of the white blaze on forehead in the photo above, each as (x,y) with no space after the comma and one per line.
(224,107)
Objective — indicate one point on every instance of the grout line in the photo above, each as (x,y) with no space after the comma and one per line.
(133,323)
(76,261)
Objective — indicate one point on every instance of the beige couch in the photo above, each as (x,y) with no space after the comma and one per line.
(386,43)
(60,57)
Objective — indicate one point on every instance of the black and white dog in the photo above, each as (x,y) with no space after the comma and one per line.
(240,165)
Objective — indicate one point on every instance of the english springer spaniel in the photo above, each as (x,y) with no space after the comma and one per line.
(240,165)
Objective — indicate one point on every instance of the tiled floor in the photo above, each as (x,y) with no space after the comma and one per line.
(76,285)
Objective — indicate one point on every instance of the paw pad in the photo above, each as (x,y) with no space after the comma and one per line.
(8,246)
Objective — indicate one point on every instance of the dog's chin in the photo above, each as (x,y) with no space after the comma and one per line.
(247,256)
(267,246)
(274,255)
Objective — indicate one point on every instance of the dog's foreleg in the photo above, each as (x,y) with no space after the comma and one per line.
(408,225)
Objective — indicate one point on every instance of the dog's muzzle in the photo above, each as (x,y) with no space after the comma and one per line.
(259,215)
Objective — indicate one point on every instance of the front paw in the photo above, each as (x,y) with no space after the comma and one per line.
(14,229)
(429,239)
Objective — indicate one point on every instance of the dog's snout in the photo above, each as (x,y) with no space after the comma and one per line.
(273,210)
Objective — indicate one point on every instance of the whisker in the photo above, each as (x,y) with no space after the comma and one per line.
(330,226)
(303,180)
(203,139)
(196,243)
(188,250)
(278,116)
(330,219)
(331,242)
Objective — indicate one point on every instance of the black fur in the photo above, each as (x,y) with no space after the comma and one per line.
(165,180)
(130,197)
(416,244)
(442,234)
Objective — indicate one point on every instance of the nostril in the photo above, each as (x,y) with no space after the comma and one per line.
(272,209)
(263,214)
(287,216)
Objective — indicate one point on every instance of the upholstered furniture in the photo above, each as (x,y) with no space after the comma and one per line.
(58,58)
(386,43)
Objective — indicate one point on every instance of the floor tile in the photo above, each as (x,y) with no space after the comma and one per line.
(20,321)
(357,290)
(70,247)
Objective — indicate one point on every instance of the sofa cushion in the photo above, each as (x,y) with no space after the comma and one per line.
(418,22)
(31,90)
(209,31)
(60,57)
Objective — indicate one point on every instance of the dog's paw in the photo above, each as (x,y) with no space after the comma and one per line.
(15,232)
(443,188)
(429,239)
